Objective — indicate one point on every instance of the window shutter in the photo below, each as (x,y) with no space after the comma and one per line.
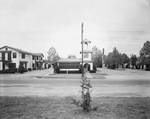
(3,56)
(9,56)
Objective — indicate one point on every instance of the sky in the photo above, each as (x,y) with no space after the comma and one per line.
(38,25)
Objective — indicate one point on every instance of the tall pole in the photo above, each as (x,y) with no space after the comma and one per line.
(82,46)
(102,57)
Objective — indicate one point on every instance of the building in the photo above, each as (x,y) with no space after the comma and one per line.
(37,60)
(11,58)
(74,64)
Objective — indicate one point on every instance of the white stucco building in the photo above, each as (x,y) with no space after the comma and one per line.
(12,57)
(73,64)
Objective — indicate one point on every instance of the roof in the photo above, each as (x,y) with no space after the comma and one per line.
(69,60)
(37,54)
(16,49)
(73,60)
(86,41)
(22,51)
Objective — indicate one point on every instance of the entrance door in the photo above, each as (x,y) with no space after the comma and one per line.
(86,67)
(3,66)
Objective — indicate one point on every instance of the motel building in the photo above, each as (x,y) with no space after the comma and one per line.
(74,64)
(11,58)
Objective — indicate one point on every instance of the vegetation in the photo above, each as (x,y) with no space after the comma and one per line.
(21,69)
(86,97)
(133,60)
(62,108)
(97,56)
(145,55)
(115,59)
(53,55)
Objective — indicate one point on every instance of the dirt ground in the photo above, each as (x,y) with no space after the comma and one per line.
(62,108)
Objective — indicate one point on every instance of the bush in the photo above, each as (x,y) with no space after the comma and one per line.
(57,69)
(112,66)
(7,71)
(21,68)
(92,71)
(29,69)
(81,68)
(94,68)
(147,68)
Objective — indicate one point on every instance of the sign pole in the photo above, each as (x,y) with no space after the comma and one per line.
(82,46)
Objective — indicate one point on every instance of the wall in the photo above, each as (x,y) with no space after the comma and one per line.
(28,59)
(14,60)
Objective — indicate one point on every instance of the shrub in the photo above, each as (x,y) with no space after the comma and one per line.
(57,69)
(7,71)
(94,68)
(92,71)
(147,68)
(21,68)
(81,68)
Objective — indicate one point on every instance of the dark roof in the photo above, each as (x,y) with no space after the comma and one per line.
(22,51)
(69,60)
(86,41)
(16,49)
(73,60)
(37,54)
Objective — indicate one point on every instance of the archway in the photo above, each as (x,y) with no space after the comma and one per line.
(86,67)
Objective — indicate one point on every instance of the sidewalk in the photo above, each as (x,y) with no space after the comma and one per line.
(88,75)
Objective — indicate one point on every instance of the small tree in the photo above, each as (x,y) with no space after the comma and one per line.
(133,60)
(85,102)
(86,97)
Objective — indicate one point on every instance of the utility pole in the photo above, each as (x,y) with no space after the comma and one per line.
(82,46)
(102,57)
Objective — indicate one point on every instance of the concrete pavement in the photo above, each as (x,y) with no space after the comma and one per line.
(105,83)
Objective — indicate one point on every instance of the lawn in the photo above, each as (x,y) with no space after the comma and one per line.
(62,108)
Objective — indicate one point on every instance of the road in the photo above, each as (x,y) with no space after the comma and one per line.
(116,83)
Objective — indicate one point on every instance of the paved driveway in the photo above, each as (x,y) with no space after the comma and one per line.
(105,83)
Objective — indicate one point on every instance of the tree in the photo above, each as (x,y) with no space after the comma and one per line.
(145,55)
(113,59)
(52,55)
(133,60)
(125,59)
(97,56)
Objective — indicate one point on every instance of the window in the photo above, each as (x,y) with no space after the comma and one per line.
(86,55)
(37,58)
(3,56)
(23,56)
(6,56)
(6,48)
(14,55)
(33,57)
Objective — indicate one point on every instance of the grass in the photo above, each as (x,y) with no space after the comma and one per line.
(62,108)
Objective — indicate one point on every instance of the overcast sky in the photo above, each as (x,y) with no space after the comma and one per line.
(37,25)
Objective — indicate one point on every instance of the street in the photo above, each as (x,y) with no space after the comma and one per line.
(106,82)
